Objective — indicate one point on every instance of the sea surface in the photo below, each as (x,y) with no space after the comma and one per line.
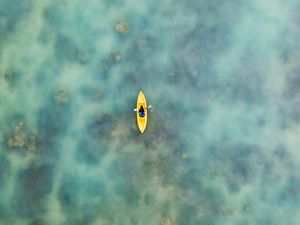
(222,146)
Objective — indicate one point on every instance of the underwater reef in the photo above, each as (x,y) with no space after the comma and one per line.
(222,142)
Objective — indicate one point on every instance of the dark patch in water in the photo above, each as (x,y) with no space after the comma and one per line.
(131,195)
(241,167)
(192,178)
(52,15)
(238,175)
(200,47)
(291,192)
(281,153)
(65,48)
(292,83)
(102,126)
(291,98)
(187,214)
(4,169)
(91,206)
(262,121)
(248,85)
(241,170)
(53,120)
(114,169)
(149,143)
(234,162)
(141,49)
(91,152)
(37,222)
(12,78)
(125,187)
(149,199)
(2,211)
(35,183)
(11,13)
(46,35)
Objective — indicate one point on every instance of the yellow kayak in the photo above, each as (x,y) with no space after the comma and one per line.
(141,113)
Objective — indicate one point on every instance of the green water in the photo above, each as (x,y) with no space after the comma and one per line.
(222,142)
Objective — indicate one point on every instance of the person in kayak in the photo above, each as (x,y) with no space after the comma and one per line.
(141,111)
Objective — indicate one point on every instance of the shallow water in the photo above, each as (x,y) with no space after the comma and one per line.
(222,142)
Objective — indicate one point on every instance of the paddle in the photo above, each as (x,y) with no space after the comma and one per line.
(149,107)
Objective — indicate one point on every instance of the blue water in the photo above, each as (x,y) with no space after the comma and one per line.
(222,142)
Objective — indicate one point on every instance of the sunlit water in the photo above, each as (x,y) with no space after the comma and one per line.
(222,142)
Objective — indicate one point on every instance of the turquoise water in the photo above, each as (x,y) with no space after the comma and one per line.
(222,142)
